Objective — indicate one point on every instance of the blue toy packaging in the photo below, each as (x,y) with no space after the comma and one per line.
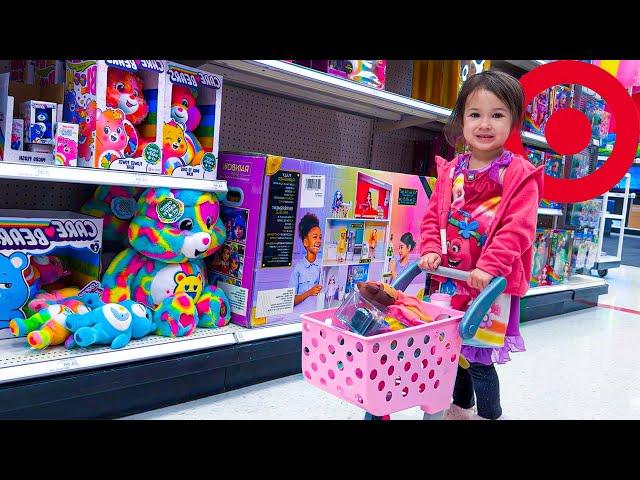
(41,251)
(39,121)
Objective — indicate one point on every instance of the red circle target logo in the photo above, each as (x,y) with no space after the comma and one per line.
(568,131)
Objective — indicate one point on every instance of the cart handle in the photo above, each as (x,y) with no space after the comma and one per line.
(476,310)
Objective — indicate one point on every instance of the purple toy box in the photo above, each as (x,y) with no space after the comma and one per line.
(301,234)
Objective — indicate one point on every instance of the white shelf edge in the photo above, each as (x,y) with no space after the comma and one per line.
(86,360)
(52,173)
(262,333)
(576,282)
(555,212)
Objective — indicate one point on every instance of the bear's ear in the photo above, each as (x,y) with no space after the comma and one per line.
(179,277)
(19,260)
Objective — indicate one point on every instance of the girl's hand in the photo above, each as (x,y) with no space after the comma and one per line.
(430,261)
(479,279)
(315,290)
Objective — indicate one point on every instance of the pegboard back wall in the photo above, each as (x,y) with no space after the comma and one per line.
(259,122)
(25,195)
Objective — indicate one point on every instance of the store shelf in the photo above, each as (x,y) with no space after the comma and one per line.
(18,362)
(311,86)
(576,282)
(254,334)
(607,261)
(51,173)
(305,84)
(553,212)
(603,158)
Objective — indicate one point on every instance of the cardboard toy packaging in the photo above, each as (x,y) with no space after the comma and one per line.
(35,242)
(301,234)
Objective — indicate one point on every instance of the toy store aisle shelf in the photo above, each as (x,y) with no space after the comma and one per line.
(305,84)
(251,335)
(51,173)
(18,362)
(534,139)
(576,282)
(554,212)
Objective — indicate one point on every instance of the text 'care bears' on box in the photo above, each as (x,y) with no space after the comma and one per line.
(115,104)
(192,103)
(301,234)
(45,255)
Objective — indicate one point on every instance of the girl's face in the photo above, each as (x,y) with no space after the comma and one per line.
(234,264)
(313,240)
(403,250)
(239,231)
(226,253)
(486,122)
(369,196)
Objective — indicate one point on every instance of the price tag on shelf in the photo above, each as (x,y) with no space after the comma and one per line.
(40,171)
(142,179)
(239,336)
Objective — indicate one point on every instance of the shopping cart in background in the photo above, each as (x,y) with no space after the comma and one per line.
(394,371)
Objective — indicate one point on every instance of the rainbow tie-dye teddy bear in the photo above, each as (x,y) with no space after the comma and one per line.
(170,235)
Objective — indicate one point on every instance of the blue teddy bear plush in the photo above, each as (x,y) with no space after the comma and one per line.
(14,291)
(110,324)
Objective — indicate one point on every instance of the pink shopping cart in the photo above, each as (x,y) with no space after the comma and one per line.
(394,371)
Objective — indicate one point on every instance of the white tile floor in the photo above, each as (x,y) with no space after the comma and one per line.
(577,366)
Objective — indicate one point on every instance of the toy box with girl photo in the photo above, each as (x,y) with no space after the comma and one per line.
(301,234)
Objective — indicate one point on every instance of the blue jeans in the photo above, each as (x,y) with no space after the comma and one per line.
(483,381)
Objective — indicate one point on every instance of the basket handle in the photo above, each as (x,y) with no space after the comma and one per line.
(476,310)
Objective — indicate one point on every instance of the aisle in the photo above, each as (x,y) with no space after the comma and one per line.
(579,366)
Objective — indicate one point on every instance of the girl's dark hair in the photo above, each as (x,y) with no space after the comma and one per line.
(502,85)
(408,240)
(306,224)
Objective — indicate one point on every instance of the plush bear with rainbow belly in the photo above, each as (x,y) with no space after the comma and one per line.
(170,235)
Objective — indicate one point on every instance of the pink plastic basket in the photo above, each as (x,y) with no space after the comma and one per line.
(385,373)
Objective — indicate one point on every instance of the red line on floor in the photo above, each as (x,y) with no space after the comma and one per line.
(611,307)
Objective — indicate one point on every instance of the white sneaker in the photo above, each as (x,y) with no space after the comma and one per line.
(458,413)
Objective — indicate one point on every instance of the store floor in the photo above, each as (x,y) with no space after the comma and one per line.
(577,366)
(630,248)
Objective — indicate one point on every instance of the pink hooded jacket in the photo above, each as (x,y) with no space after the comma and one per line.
(508,249)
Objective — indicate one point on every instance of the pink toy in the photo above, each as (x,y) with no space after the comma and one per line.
(66,144)
(386,373)
(50,268)
(111,137)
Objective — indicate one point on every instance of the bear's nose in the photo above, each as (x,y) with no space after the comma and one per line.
(205,241)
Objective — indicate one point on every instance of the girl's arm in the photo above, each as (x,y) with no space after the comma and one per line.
(429,228)
(516,231)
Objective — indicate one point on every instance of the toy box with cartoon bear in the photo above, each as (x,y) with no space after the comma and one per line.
(31,124)
(42,252)
(301,234)
(115,104)
(190,138)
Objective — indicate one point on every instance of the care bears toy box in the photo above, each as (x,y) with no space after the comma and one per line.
(191,114)
(44,250)
(115,104)
(301,234)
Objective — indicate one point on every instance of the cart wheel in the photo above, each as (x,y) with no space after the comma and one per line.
(603,273)
(370,416)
